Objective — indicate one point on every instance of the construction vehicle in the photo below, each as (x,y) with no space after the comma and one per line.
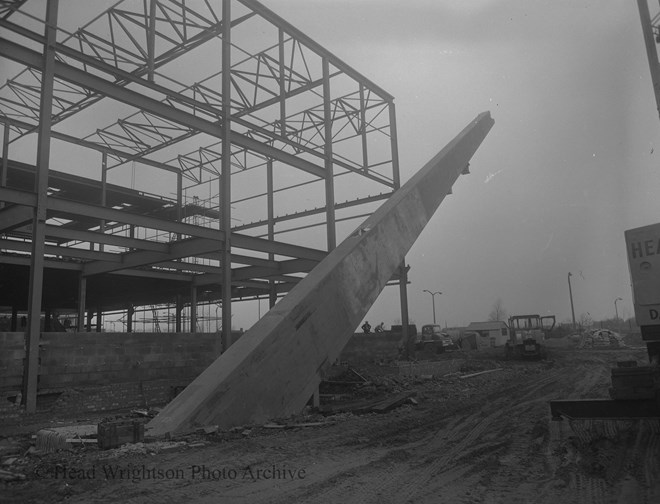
(526,335)
(433,338)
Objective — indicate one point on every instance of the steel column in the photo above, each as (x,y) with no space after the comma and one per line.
(130,311)
(363,127)
(82,296)
(31,370)
(14,318)
(403,271)
(179,200)
(151,40)
(178,314)
(193,309)
(99,319)
(270,186)
(104,188)
(329,169)
(403,295)
(282,82)
(225,178)
(394,146)
(5,159)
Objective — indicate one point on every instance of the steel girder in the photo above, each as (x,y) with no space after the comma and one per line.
(259,81)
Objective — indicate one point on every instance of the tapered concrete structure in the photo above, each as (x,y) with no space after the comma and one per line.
(276,366)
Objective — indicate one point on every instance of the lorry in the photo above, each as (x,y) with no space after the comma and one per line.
(433,338)
(526,335)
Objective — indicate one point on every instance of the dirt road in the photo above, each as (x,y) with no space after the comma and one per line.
(485,439)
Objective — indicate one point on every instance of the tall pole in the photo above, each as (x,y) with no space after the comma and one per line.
(33,329)
(225,177)
(616,312)
(433,294)
(570,293)
(651,51)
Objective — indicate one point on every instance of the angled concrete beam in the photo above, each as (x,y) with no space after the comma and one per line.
(277,365)
(15,216)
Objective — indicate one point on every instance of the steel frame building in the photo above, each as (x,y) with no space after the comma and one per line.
(211,97)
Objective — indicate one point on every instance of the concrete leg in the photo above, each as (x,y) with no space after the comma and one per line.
(275,367)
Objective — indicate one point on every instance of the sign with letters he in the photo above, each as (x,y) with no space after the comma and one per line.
(643,246)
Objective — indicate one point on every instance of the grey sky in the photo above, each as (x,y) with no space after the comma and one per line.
(567,167)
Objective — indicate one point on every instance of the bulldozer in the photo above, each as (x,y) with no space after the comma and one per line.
(526,335)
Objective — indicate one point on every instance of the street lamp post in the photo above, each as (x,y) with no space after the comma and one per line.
(616,311)
(433,301)
(570,293)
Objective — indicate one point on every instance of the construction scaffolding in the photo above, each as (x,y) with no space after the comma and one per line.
(165,153)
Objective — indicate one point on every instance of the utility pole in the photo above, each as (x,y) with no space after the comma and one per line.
(616,312)
(433,300)
(570,293)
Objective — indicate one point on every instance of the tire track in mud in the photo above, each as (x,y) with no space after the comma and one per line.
(483,431)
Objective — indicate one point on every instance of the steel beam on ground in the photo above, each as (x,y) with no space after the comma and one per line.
(273,370)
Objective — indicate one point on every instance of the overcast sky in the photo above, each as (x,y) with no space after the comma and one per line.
(568,166)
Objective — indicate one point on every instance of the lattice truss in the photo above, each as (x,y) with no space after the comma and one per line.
(161,61)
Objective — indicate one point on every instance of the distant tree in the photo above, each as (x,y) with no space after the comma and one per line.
(586,320)
(497,312)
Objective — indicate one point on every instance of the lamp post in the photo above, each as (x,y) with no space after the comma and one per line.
(616,311)
(433,300)
(570,293)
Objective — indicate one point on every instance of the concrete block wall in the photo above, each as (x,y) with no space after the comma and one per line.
(12,354)
(105,371)
(363,348)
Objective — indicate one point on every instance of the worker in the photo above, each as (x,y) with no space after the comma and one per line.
(366,327)
(380,327)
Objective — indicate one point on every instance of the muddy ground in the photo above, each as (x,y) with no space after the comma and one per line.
(483,439)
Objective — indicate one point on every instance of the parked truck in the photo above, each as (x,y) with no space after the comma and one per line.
(526,335)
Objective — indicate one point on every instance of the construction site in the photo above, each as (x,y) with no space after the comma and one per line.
(145,199)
